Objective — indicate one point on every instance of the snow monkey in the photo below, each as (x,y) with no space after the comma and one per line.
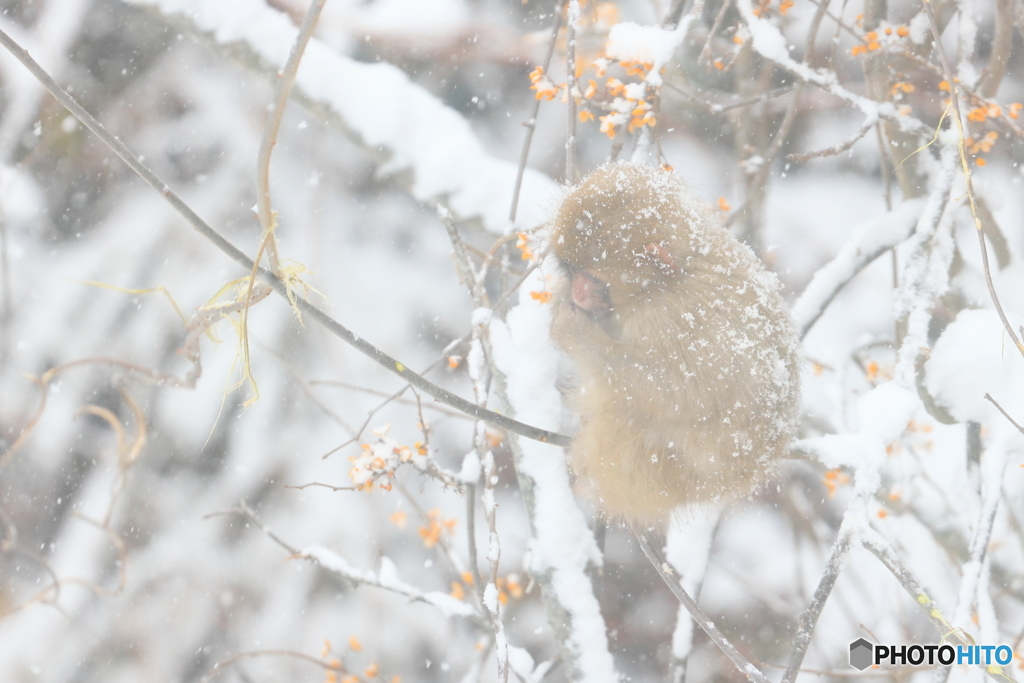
(686,355)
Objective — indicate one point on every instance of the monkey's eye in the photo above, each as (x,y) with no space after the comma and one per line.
(565,269)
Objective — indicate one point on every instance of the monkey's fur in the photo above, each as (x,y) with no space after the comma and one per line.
(687,357)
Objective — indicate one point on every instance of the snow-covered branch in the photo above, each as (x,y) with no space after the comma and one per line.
(387,578)
(562,552)
(381,109)
(867,242)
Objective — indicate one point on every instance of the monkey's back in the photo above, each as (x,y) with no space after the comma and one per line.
(693,393)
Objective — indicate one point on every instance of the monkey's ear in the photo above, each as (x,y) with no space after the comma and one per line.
(659,257)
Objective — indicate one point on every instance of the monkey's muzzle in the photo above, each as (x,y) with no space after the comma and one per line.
(591,294)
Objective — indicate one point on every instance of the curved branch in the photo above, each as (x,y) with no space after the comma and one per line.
(867,242)
(672,581)
(204,229)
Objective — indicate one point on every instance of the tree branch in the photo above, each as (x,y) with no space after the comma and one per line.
(204,229)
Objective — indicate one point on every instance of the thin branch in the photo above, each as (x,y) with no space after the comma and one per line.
(760,99)
(6,281)
(286,79)
(471,533)
(962,147)
(531,123)
(268,222)
(758,183)
(766,39)
(988,397)
(716,108)
(867,242)
(440,408)
(1002,44)
(472,280)
(388,398)
(838,148)
(454,561)
(810,616)
(490,596)
(973,96)
(667,573)
(481,390)
(323,485)
(881,549)
(571,22)
(223,664)
(840,24)
(332,325)
(705,53)
(337,565)
(674,14)
(43,382)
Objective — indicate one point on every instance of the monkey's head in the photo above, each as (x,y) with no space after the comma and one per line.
(617,236)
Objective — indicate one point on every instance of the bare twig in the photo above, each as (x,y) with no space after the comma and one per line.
(962,147)
(471,534)
(6,300)
(867,242)
(881,549)
(810,616)
(988,397)
(440,408)
(472,279)
(335,564)
(1002,45)
(716,108)
(838,148)
(571,22)
(674,14)
(490,597)
(268,221)
(758,184)
(481,390)
(322,485)
(531,123)
(203,228)
(454,561)
(285,81)
(705,53)
(767,37)
(388,398)
(225,663)
(668,574)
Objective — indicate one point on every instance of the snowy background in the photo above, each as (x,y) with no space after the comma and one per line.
(155,531)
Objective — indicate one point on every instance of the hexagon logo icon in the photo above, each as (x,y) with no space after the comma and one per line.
(861,652)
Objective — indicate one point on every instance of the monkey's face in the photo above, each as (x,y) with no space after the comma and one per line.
(614,240)
(591,294)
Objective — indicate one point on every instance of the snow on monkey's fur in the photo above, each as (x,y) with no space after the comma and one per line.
(688,383)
